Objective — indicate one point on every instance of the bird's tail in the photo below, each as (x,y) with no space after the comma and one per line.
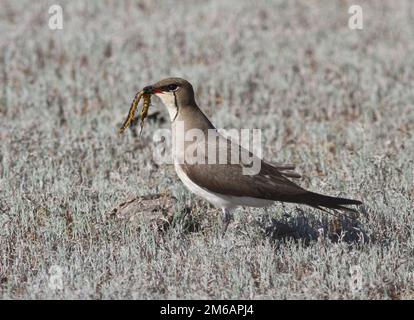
(321,201)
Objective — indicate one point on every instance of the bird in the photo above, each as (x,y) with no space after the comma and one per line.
(225,185)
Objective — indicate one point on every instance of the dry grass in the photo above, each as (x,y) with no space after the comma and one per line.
(337,102)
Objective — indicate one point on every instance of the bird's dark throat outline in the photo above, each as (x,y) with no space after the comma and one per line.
(176,105)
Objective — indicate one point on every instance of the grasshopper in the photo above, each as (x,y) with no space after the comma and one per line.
(133,108)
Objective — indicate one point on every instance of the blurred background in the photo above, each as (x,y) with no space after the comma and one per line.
(337,102)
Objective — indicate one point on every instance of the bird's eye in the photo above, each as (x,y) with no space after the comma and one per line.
(172,87)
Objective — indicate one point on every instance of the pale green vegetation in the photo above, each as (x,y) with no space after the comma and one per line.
(337,102)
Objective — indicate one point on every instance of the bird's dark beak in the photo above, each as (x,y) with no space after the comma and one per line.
(148,90)
(151,90)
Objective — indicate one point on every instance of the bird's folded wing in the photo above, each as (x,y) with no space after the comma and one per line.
(285,169)
(231,179)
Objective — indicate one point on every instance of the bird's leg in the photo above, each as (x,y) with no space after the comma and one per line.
(226,219)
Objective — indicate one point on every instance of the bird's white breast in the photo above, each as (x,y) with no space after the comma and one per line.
(168,100)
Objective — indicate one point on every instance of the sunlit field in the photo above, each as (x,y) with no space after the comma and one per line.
(86,213)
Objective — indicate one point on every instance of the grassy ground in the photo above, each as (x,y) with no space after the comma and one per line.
(337,102)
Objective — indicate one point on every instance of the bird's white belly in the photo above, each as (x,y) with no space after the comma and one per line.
(217,199)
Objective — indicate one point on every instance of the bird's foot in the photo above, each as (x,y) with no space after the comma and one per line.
(227,217)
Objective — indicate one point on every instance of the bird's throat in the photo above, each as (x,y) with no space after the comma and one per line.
(169,100)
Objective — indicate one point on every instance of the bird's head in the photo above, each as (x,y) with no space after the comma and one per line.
(174,93)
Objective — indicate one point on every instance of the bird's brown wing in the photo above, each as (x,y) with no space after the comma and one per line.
(277,170)
(229,178)
(286,170)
